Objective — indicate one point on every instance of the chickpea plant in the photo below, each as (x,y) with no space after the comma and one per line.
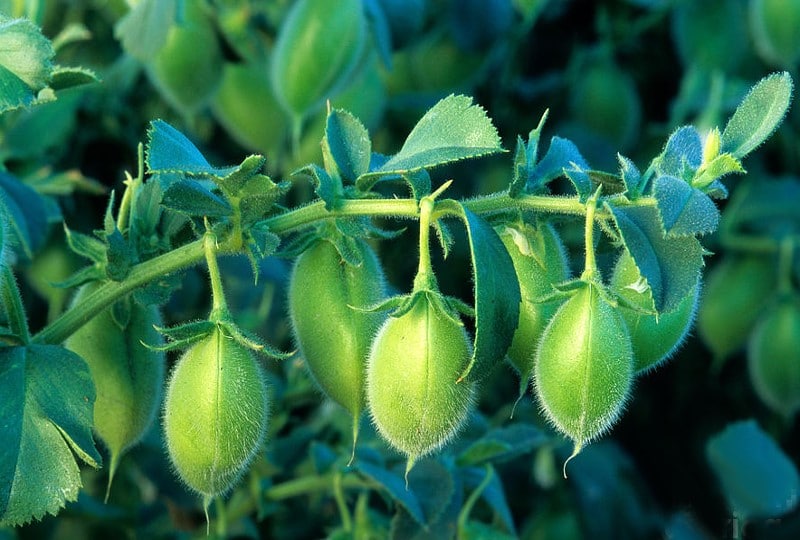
(412,361)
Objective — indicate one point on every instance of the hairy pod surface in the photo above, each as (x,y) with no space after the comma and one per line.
(215,413)
(773,357)
(653,338)
(317,49)
(333,337)
(584,366)
(414,363)
(540,260)
(128,377)
(736,292)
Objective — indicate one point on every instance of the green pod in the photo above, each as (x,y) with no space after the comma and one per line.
(215,413)
(775,27)
(540,260)
(653,338)
(414,363)
(333,337)
(128,376)
(319,46)
(584,366)
(736,292)
(188,68)
(710,35)
(245,106)
(773,357)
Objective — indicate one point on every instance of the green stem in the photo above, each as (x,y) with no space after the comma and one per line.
(590,265)
(308,485)
(219,306)
(341,503)
(12,302)
(785,260)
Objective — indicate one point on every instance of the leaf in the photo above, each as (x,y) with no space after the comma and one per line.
(562,154)
(327,187)
(25,62)
(670,266)
(758,115)
(47,407)
(502,444)
(348,142)
(191,198)
(169,151)
(497,295)
(64,77)
(143,30)
(452,130)
(25,216)
(684,210)
(631,177)
(394,486)
(493,494)
(757,478)
(682,154)
(519,175)
(718,167)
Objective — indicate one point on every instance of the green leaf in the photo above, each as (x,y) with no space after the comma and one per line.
(492,493)
(561,155)
(519,175)
(348,142)
(236,180)
(670,266)
(190,197)
(720,166)
(501,444)
(758,115)
(395,487)
(169,151)
(682,154)
(757,478)
(47,407)
(143,30)
(25,216)
(25,62)
(631,177)
(684,210)
(86,246)
(64,77)
(452,130)
(497,295)
(327,187)
(259,197)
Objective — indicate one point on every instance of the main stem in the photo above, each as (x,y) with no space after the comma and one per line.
(283,224)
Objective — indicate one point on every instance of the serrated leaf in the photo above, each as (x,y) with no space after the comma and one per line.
(758,479)
(64,77)
(192,198)
(519,173)
(86,246)
(670,266)
(143,30)
(258,197)
(580,181)
(501,444)
(242,175)
(440,494)
(682,154)
(25,62)
(47,407)
(395,487)
(758,115)
(561,154)
(452,130)
(684,210)
(497,295)
(327,187)
(631,177)
(720,166)
(25,216)
(169,151)
(348,142)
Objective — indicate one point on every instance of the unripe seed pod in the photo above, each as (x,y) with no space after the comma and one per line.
(653,338)
(215,413)
(584,366)
(773,357)
(128,376)
(412,392)
(333,337)
(735,293)
(540,261)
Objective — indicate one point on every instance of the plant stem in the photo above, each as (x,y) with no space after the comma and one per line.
(12,302)
(590,265)
(219,306)
(311,484)
(785,265)
(341,503)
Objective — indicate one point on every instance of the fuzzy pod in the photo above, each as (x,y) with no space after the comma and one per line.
(654,339)
(128,376)
(333,337)
(215,413)
(416,358)
(773,357)
(540,260)
(584,366)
